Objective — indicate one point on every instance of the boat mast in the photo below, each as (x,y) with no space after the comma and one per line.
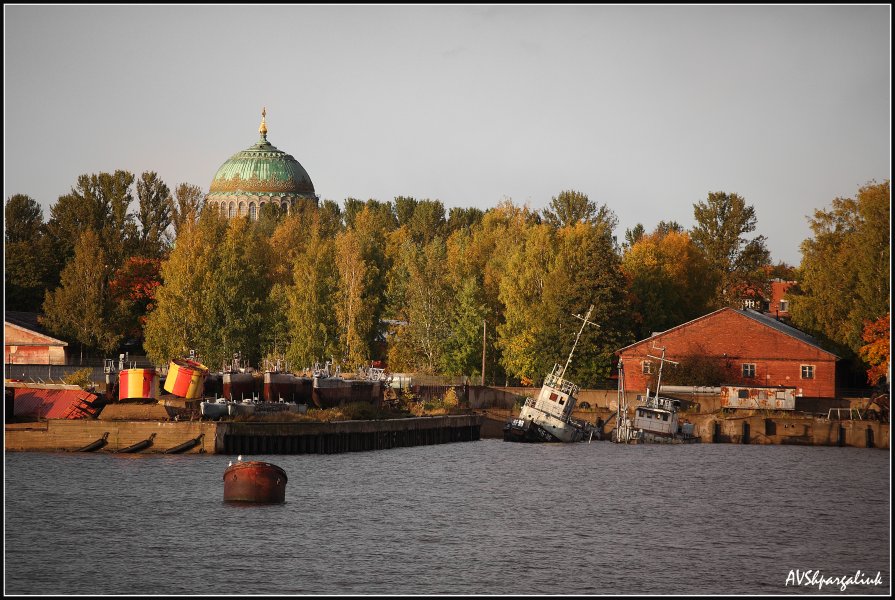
(585,322)
(662,360)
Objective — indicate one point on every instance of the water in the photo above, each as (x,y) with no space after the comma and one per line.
(483,517)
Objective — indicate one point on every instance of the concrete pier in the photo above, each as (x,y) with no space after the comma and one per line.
(246,437)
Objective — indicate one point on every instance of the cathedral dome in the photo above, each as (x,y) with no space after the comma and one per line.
(256,176)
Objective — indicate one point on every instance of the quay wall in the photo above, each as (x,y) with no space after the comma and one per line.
(758,428)
(235,437)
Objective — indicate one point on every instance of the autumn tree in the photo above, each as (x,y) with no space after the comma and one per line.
(876,348)
(669,280)
(180,320)
(132,292)
(422,340)
(722,222)
(80,308)
(844,272)
(313,329)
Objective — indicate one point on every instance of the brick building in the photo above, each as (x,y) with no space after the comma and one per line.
(26,342)
(752,349)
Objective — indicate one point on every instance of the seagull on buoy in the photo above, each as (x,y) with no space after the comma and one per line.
(230,464)
(239,458)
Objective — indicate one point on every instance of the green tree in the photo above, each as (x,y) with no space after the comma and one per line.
(80,309)
(721,224)
(571,207)
(468,314)
(186,205)
(154,215)
(28,256)
(844,274)
(24,219)
(463,218)
(99,202)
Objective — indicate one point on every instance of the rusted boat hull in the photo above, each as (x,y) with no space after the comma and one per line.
(239,386)
(279,386)
(255,481)
(329,392)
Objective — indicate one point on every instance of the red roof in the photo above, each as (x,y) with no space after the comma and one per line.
(49,403)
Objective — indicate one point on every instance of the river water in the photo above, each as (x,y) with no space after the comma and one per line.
(482,518)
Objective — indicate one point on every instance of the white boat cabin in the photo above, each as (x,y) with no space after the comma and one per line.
(657,415)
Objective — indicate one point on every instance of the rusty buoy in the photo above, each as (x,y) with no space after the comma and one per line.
(254,481)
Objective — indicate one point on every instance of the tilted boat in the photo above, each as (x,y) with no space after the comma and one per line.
(656,419)
(254,481)
(548,418)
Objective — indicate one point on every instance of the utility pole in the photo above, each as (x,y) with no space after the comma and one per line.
(484,335)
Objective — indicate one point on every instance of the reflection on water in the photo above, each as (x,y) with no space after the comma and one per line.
(482,517)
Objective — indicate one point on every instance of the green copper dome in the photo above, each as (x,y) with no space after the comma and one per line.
(261,170)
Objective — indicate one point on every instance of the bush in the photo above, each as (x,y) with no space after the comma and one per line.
(81,377)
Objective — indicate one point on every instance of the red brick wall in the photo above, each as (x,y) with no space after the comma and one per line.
(777,357)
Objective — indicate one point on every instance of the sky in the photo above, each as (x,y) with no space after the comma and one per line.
(646,109)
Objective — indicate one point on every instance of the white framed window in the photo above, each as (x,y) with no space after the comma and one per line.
(784,305)
(749,370)
(252,212)
(807,371)
(647,367)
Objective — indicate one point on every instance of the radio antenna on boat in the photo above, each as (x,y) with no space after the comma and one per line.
(662,360)
(585,321)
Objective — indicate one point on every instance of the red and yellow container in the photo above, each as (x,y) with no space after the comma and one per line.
(138,384)
(186,378)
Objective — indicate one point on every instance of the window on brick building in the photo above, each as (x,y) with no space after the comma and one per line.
(749,370)
(784,305)
(647,367)
(807,371)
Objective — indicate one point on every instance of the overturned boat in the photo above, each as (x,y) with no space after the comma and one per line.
(548,418)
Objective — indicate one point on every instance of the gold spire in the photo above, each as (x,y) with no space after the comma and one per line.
(263,129)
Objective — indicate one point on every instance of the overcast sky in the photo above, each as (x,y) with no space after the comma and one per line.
(644,108)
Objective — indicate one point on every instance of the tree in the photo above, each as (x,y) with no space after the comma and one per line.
(427,306)
(186,205)
(132,291)
(875,351)
(844,274)
(154,215)
(463,218)
(670,281)
(99,202)
(633,235)
(180,320)
(313,330)
(721,224)
(571,207)
(81,309)
(24,219)
(28,256)
(467,315)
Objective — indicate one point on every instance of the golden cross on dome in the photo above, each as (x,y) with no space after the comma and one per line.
(263,128)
